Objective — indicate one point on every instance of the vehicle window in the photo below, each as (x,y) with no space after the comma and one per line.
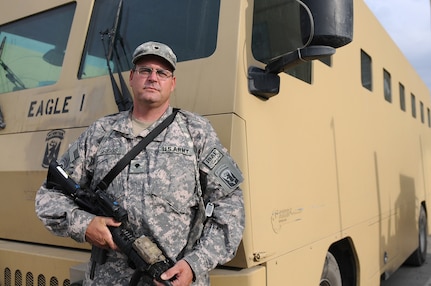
(387,86)
(402,97)
(32,49)
(327,61)
(366,71)
(422,110)
(302,72)
(188,27)
(413,102)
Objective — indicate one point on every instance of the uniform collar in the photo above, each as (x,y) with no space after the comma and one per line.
(124,123)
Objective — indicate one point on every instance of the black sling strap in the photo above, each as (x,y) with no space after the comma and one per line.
(103,185)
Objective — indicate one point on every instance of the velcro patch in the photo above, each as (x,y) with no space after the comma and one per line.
(224,170)
(213,158)
(176,149)
(229,175)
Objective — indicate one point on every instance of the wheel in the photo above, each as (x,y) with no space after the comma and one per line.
(331,275)
(418,257)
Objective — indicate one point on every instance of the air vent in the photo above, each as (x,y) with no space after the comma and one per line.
(29,279)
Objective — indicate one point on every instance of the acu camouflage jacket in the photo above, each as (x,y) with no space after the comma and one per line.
(160,190)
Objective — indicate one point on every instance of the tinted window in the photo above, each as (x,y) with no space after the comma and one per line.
(413,100)
(402,97)
(302,71)
(387,89)
(421,105)
(366,71)
(189,27)
(327,61)
(32,49)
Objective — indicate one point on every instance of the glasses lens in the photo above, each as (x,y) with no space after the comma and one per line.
(146,72)
(163,73)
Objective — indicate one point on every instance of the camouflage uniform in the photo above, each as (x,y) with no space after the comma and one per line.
(160,189)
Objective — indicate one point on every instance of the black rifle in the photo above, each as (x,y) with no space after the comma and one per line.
(146,256)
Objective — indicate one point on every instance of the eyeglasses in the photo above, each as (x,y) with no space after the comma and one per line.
(146,72)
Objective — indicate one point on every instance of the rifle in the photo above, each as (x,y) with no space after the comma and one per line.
(145,254)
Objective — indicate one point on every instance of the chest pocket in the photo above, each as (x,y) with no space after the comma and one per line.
(174,175)
(107,156)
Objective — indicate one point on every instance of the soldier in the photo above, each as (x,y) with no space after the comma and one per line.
(162,188)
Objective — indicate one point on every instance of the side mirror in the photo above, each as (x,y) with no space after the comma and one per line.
(327,22)
(298,56)
(325,25)
(263,84)
(266,83)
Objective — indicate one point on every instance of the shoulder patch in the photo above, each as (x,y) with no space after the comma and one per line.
(229,175)
(223,169)
(213,158)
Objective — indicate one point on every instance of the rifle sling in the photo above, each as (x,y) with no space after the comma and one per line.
(104,183)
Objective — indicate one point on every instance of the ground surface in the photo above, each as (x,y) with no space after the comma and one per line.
(412,276)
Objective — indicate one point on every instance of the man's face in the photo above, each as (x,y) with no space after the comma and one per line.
(150,89)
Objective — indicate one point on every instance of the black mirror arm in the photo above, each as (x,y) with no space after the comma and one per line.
(298,56)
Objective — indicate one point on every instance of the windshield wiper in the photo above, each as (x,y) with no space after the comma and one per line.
(123,98)
(10,75)
(2,123)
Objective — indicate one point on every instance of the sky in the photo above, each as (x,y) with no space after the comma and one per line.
(408,22)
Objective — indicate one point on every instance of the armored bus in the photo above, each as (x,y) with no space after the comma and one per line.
(328,121)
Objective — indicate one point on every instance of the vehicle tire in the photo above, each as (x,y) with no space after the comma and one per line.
(418,257)
(331,275)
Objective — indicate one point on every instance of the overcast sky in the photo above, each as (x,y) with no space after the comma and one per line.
(408,23)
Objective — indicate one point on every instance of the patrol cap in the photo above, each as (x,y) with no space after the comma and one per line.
(156,49)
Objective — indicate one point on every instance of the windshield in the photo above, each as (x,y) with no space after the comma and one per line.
(189,27)
(32,49)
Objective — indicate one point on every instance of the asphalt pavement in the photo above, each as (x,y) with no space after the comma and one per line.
(412,276)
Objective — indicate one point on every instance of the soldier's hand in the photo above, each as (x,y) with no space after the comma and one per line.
(181,272)
(98,234)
